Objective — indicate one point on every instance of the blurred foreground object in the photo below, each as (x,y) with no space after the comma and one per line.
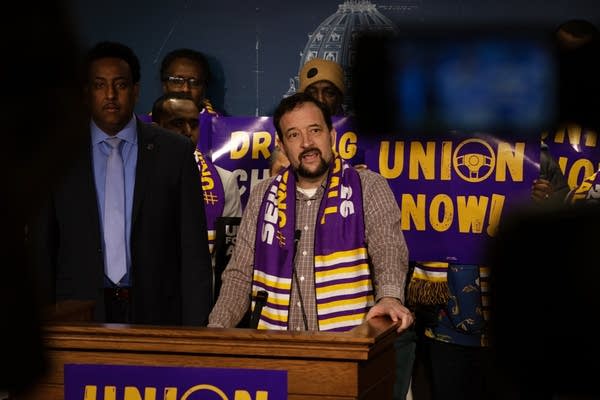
(39,120)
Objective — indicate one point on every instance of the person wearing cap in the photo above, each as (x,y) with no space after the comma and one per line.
(324,81)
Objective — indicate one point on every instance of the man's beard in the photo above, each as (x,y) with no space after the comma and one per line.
(320,171)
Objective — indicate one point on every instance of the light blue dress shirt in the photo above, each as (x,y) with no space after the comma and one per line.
(129,152)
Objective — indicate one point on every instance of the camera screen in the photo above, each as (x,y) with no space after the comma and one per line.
(493,82)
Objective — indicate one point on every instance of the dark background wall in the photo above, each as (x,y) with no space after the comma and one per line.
(250,81)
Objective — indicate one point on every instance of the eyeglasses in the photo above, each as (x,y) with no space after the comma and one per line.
(179,81)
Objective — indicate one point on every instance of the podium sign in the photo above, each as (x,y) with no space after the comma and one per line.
(132,382)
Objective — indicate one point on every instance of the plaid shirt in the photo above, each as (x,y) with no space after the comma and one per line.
(385,242)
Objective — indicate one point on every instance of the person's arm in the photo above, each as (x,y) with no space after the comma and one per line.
(552,186)
(196,268)
(387,249)
(234,295)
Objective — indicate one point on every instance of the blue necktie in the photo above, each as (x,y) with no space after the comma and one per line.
(114,214)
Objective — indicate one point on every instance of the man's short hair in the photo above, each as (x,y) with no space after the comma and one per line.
(158,106)
(317,70)
(189,54)
(290,103)
(108,49)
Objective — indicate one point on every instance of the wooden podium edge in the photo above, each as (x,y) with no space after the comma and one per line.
(358,344)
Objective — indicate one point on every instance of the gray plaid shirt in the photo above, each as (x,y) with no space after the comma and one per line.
(387,250)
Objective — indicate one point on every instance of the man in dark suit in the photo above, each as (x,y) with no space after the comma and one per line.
(160,247)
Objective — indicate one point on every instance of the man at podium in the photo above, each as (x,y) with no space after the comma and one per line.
(319,246)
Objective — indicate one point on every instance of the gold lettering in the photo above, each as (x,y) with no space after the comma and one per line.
(446,162)
(511,158)
(559,135)
(282,218)
(170,393)
(412,211)
(260,144)
(110,393)
(575,172)
(471,213)
(89,392)
(574,132)
(421,159)
(207,184)
(240,143)
(198,388)
(244,395)
(398,162)
(443,224)
(591,138)
(347,145)
(132,393)
(495,214)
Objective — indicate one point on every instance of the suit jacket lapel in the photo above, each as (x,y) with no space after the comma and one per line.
(145,167)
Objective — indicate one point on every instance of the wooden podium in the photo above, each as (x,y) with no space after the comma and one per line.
(353,365)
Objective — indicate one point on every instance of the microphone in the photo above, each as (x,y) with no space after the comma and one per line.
(260,301)
(297,235)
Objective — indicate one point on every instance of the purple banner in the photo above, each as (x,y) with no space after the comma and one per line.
(122,382)
(576,150)
(452,189)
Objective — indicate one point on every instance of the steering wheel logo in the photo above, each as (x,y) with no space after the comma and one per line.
(474,166)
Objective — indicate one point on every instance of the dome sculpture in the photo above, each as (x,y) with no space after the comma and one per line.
(332,39)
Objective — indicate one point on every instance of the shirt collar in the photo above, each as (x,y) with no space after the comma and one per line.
(128,133)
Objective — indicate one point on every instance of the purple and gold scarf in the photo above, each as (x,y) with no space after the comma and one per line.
(343,287)
(213,193)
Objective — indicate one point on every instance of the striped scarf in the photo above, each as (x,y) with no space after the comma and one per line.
(213,193)
(343,287)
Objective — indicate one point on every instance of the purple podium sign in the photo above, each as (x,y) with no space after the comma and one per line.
(124,382)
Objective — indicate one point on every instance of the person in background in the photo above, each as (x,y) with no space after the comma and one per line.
(125,226)
(324,81)
(187,70)
(178,112)
(327,248)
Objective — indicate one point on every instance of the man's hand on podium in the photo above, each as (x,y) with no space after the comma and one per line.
(393,308)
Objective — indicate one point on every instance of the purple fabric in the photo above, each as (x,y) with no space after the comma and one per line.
(213,192)
(274,252)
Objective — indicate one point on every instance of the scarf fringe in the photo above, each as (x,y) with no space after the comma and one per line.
(424,292)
